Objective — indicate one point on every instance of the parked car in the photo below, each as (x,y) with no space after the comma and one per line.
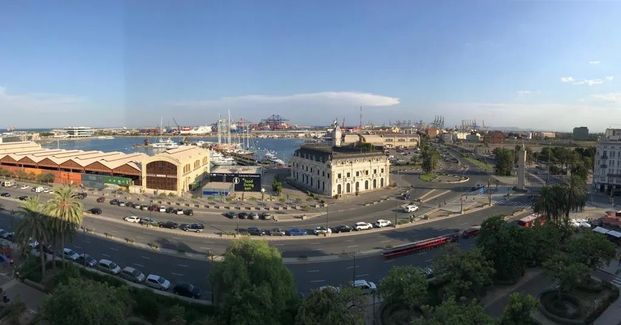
(471,232)
(178,211)
(254,231)
(129,204)
(23,198)
(101,199)
(144,207)
(122,203)
(230,215)
(137,206)
(195,227)
(131,274)
(154,207)
(266,216)
(362,226)
(296,232)
(169,225)
(134,219)
(87,260)
(24,187)
(242,215)
(342,228)
(187,290)
(254,216)
(170,210)
(157,282)
(95,211)
(367,287)
(188,212)
(5,234)
(70,254)
(381,223)
(277,232)
(5,194)
(321,230)
(81,195)
(162,209)
(108,266)
(148,221)
(114,202)
(410,208)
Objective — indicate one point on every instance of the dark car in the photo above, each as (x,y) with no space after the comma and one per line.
(81,195)
(171,210)
(342,228)
(187,290)
(101,199)
(230,215)
(254,231)
(148,221)
(86,260)
(188,212)
(297,232)
(23,198)
(254,216)
(6,194)
(95,211)
(154,207)
(277,232)
(195,227)
(265,216)
(114,202)
(242,215)
(169,225)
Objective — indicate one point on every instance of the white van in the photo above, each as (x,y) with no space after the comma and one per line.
(38,189)
(410,208)
(8,183)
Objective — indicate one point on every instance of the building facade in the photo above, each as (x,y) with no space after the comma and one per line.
(337,169)
(581,133)
(607,173)
(175,171)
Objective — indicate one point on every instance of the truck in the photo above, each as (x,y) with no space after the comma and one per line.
(531,220)
(8,183)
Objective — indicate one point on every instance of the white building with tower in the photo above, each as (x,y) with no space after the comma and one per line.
(607,173)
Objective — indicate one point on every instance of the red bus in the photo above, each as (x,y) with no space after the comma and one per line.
(530,220)
(420,245)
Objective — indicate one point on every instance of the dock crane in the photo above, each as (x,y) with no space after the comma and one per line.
(178,127)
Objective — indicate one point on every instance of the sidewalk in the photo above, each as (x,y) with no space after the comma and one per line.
(18,291)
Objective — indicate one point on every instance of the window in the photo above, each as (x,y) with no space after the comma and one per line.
(348,174)
(366,172)
(374,171)
(382,170)
(357,174)
(338,176)
(323,173)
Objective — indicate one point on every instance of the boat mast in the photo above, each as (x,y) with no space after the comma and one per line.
(228,129)
(219,129)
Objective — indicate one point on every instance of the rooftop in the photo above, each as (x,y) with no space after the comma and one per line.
(236,170)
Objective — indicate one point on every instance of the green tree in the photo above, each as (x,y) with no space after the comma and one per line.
(84,302)
(550,203)
(430,158)
(452,312)
(329,306)
(251,285)
(405,285)
(34,225)
(545,240)
(67,212)
(519,309)
(506,246)
(565,272)
(591,249)
(505,159)
(463,273)
(277,186)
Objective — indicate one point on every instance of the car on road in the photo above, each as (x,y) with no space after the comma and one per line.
(157,282)
(122,203)
(144,207)
(265,216)
(148,221)
(242,215)
(195,227)
(230,215)
(170,210)
(137,206)
(114,202)
(169,225)
(24,187)
(87,260)
(362,226)
(254,216)
(188,212)
(70,254)
(322,230)
(410,208)
(5,194)
(81,195)
(381,223)
(108,266)
(471,232)
(162,209)
(187,290)
(178,211)
(131,274)
(134,219)
(341,228)
(37,189)
(367,287)
(23,198)
(277,232)
(101,199)
(297,232)
(254,231)
(95,211)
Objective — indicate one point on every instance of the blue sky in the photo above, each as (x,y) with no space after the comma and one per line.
(546,65)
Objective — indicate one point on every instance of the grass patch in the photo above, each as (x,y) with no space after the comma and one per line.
(428,177)
(480,164)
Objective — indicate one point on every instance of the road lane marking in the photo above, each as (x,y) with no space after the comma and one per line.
(350,246)
(77,247)
(177,274)
(312,271)
(146,257)
(105,255)
(138,265)
(114,249)
(182,265)
(317,281)
(390,260)
(349,267)
(361,275)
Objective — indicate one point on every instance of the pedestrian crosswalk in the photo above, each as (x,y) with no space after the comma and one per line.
(519,201)
(616,281)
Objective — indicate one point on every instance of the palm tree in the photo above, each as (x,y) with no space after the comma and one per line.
(67,213)
(34,225)
(547,203)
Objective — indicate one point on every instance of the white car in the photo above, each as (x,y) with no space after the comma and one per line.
(321,230)
(362,226)
(157,282)
(162,209)
(24,187)
(381,223)
(410,208)
(70,254)
(367,287)
(132,219)
(131,274)
(108,266)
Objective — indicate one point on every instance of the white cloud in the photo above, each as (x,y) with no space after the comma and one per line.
(610,97)
(524,92)
(567,79)
(36,100)
(594,62)
(610,78)
(588,82)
